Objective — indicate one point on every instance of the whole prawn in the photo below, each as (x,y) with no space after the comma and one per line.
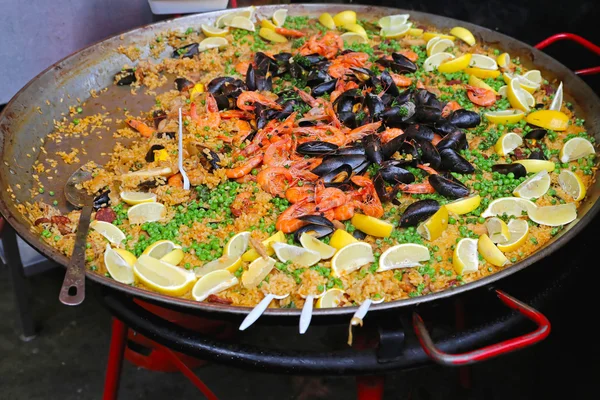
(288,221)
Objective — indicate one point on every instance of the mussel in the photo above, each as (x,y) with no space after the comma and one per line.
(183,84)
(454,162)
(125,77)
(316,220)
(331,163)
(422,97)
(102,200)
(318,231)
(373,148)
(418,212)
(150,154)
(187,51)
(398,63)
(444,128)
(316,77)
(157,116)
(464,118)
(324,87)
(388,84)
(393,173)
(216,84)
(456,140)
(165,135)
(447,187)
(420,132)
(537,154)
(429,153)
(316,148)
(517,169)
(351,151)
(264,63)
(359,235)
(339,175)
(393,146)
(428,114)
(375,106)
(536,134)
(397,116)
(209,159)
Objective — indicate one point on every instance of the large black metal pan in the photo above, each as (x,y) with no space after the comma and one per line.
(28,117)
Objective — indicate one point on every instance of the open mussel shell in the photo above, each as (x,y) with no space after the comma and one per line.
(373,148)
(536,134)
(316,76)
(125,77)
(447,187)
(324,87)
(209,159)
(388,84)
(398,116)
(150,154)
(456,140)
(157,116)
(537,155)
(375,106)
(418,212)
(420,132)
(464,118)
(316,148)
(102,200)
(187,51)
(316,220)
(429,154)
(394,174)
(318,231)
(339,175)
(422,97)
(517,169)
(264,63)
(216,84)
(331,163)
(393,146)
(454,162)
(183,84)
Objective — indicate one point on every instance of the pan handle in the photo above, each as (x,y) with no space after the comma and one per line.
(507,346)
(576,38)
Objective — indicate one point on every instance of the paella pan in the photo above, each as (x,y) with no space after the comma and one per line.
(355,154)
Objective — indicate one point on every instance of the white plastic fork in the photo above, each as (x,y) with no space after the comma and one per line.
(186,180)
(306,314)
(259,310)
(360,314)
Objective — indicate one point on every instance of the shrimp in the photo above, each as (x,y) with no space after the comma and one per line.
(414,188)
(450,107)
(368,202)
(255,97)
(327,46)
(288,221)
(229,114)
(340,87)
(275,180)
(362,131)
(480,96)
(246,168)
(278,153)
(401,80)
(175,180)
(328,198)
(243,130)
(296,194)
(427,169)
(307,98)
(141,127)
(411,55)
(342,64)
(290,32)
(324,133)
(212,118)
(390,134)
(343,212)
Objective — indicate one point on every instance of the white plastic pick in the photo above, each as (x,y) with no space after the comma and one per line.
(259,310)
(360,314)
(306,314)
(186,180)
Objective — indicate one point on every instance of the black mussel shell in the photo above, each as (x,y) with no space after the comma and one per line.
(216,84)
(318,231)
(264,63)
(427,114)
(537,155)
(375,106)
(188,51)
(296,71)
(359,235)
(424,98)
(444,128)
(405,96)
(419,131)
(454,162)
(317,220)
(166,135)
(362,167)
(346,101)
(517,169)
(125,77)
(393,146)
(223,102)
(388,84)
(309,60)
(283,57)
(536,134)
(464,118)
(456,140)
(373,148)
(350,151)
(147,185)
(394,174)
(397,116)
(362,74)
(264,84)
(449,188)
(386,99)
(209,159)
(183,84)
(408,65)
(348,118)
(150,154)
(418,212)
(339,175)
(322,88)
(102,200)
(429,154)
(316,148)
(316,77)
(331,163)
(157,116)
(380,186)
(251,78)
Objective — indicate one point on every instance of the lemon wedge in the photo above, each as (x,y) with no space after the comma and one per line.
(241,22)
(351,38)
(502,92)
(434,61)
(511,206)
(160,249)
(225,19)
(230,264)
(431,43)
(344,18)
(296,254)
(109,231)
(212,43)
(257,271)
(327,21)
(133,198)
(163,277)
(173,257)
(490,252)
(310,242)
(464,205)
(505,116)
(266,23)
(356,28)
(279,17)
(372,226)
(351,257)
(128,256)
(439,46)
(464,258)
(534,76)
(463,34)
(534,186)
(556,104)
(212,283)
(404,255)
(475,81)
(518,230)
(331,298)
(427,36)
(483,62)
(146,212)
(575,149)
(395,31)
(558,215)
(549,119)
(390,20)
(415,32)
(213,31)
(503,60)
(516,95)
(237,245)
(572,184)
(271,35)
(341,238)
(117,266)
(482,73)
(252,254)
(507,143)
(433,227)
(455,65)
(497,230)
(534,166)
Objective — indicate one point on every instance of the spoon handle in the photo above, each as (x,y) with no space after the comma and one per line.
(72,291)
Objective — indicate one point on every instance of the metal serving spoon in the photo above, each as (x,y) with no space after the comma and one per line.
(72,291)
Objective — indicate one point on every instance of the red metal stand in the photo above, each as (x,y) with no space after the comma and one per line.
(576,38)
(115,360)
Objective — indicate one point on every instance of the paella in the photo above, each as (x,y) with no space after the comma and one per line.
(334,158)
